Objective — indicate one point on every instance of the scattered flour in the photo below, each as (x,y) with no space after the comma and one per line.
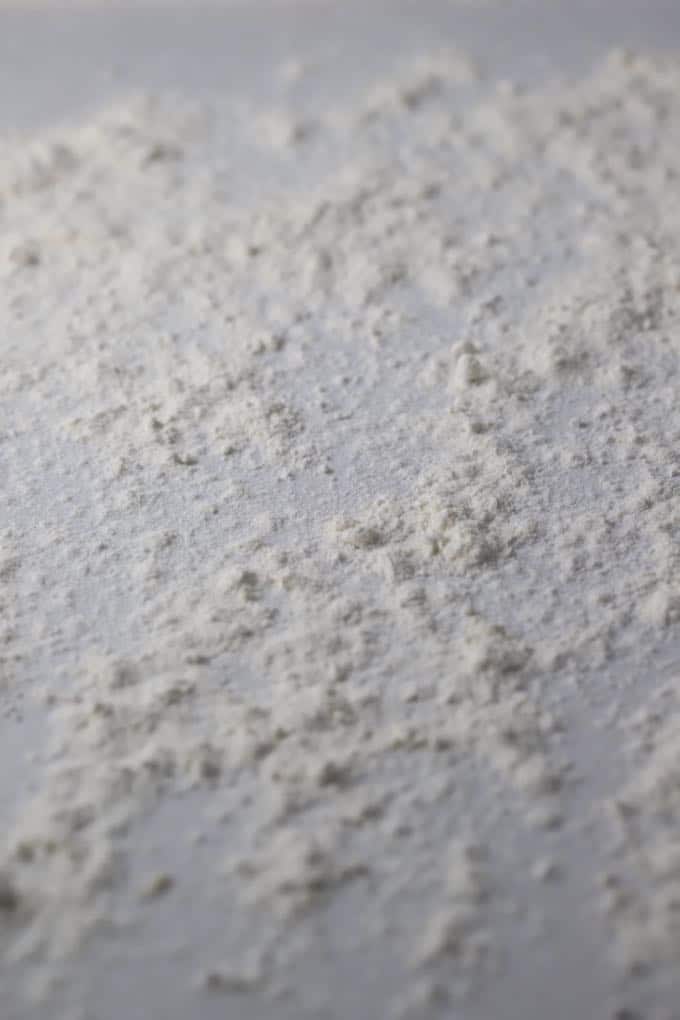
(342,502)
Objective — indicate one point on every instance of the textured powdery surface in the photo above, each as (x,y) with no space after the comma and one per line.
(350,499)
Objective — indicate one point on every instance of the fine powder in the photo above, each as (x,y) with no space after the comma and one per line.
(342,502)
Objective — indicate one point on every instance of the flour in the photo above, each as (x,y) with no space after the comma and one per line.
(351,498)
(454,930)
(641,893)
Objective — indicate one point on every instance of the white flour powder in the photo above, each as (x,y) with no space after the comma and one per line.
(342,499)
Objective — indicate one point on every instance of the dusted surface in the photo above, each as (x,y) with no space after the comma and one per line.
(56,65)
